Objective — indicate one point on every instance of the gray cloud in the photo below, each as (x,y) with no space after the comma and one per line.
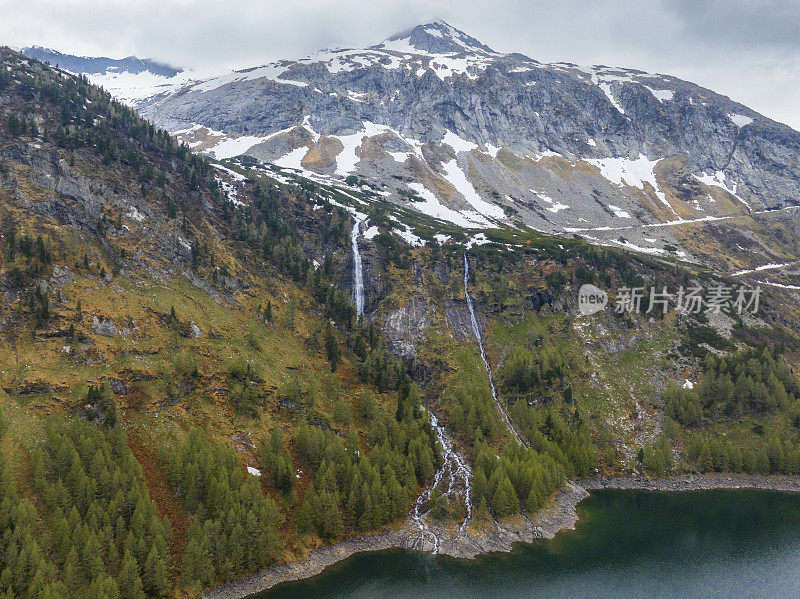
(746,49)
(740,24)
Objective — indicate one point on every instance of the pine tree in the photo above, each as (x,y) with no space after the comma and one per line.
(705,462)
(196,564)
(504,500)
(92,559)
(72,570)
(332,349)
(130,583)
(305,517)
(353,443)
(479,483)
(103,587)
(341,411)
(483,510)
(155,573)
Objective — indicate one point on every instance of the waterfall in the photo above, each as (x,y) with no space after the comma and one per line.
(453,473)
(358,271)
(476,330)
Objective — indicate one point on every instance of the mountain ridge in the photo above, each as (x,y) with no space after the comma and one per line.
(97,65)
(131,80)
(475,138)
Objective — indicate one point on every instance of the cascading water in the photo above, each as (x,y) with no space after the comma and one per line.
(476,330)
(358,271)
(456,473)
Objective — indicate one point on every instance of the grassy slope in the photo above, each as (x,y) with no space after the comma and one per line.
(44,374)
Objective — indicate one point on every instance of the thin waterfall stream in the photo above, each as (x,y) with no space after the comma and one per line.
(455,476)
(477,331)
(358,270)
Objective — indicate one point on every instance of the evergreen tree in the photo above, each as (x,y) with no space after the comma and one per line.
(155,572)
(504,500)
(196,563)
(332,349)
(130,583)
(705,461)
(103,587)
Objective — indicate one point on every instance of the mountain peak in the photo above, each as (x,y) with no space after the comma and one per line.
(100,65)
(436,37)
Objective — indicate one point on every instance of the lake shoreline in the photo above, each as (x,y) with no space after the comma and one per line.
(492,537)
(694,482)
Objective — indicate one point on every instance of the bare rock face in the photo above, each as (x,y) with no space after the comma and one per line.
(459,320)
(106,328)
(375,279)
(405,327)
(60,278)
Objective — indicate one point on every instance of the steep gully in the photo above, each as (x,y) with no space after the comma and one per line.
(476,330)
(455,471)
(454,476)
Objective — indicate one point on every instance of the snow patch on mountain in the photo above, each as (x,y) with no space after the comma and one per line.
(132,88)
(636,248)
(718,180)
(221,145)
(606,87)
(293,159)
(553,206)
(778,285)
(662,95)
(618,212)
(457,143)
(740,120)
(400,156)
(771,266)
(235,146)
(492,150)
(431,206)
(447,66)
(479,239)
(603,77)
(458,179)
(232,173)
(634,173)
(434,38)
(230,191)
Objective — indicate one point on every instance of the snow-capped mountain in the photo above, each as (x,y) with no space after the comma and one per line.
(434,38)
(433,119)
(131,80)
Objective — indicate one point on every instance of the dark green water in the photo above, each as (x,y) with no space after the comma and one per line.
(627,544)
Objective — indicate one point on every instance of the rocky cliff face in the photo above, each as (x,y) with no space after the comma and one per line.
(439,122)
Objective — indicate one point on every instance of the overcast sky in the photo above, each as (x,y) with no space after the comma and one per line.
(747,49)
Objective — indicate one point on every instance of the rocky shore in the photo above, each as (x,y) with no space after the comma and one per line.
(694,482)
(491,537)
(314,563)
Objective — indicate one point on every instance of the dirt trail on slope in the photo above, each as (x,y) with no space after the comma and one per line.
(167,502)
